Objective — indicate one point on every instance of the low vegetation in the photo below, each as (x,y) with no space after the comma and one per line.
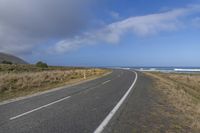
(20,80)
(41,64)
(19,68)
(182,91)
(6,62)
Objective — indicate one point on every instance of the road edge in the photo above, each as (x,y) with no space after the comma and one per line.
(52,90)
(107,119)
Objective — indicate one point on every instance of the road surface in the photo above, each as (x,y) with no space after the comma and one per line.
(84,108)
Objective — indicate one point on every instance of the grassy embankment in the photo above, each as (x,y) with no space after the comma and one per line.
(182,91)
(21,80)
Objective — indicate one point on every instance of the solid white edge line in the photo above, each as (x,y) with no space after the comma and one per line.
(44,106)
(104,123)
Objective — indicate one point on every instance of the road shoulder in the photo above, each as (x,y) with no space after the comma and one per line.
(147,110)
(67,85)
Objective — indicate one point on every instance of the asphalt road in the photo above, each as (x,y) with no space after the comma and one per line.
(84,108)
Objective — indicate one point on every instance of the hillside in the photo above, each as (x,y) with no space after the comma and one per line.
(11,58)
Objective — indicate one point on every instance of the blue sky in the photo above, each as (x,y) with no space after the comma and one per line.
(103,33)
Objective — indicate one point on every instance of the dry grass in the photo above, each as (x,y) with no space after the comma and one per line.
(14,84)
(183,92)
(18,68)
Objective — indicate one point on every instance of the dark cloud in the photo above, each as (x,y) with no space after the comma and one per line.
(26,23)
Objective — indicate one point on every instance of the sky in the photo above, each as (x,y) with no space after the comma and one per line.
(102,32)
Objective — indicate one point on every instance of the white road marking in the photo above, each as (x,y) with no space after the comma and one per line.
(44,106)
(106,82)
(49,91)
(103,124)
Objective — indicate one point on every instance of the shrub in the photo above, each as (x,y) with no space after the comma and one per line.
(41,64)
(7,62)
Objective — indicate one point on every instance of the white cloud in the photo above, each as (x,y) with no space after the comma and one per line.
(140,25)
(26,24)
(114,15)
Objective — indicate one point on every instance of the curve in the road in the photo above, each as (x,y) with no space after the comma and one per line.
(104,123)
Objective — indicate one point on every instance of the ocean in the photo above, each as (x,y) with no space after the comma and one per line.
(168,69)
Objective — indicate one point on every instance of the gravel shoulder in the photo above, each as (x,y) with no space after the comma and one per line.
(148,109)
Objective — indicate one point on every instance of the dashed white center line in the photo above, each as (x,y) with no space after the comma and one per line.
(106,82)
(44,106)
